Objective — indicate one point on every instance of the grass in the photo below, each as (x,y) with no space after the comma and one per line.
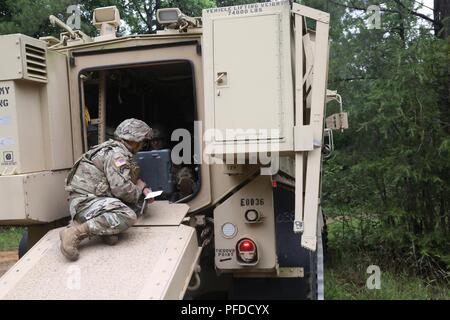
(346,275)
(10,238)
(343,282)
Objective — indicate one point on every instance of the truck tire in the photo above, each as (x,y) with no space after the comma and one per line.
(23,245)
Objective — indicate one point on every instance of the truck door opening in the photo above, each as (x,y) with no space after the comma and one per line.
(161,94)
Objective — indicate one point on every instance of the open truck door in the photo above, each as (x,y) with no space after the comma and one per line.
(311,74)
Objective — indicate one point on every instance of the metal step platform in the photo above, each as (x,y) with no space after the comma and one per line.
(149,262)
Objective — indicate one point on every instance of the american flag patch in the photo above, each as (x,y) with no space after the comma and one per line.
(120,162)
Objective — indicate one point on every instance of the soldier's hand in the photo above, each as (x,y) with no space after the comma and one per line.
(140,184)
(146,191)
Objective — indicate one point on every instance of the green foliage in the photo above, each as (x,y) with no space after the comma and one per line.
(30,17)
(191,8)
(10,238)
(391,170)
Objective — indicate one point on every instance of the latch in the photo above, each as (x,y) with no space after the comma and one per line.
(222,79)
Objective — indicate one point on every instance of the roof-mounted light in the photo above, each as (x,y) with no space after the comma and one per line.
(168,16)
(108,15)
(173,18)
(106,20)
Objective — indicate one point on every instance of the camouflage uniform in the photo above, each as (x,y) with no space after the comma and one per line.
(102,185)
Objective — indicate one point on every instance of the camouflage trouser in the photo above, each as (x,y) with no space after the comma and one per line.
(105,216)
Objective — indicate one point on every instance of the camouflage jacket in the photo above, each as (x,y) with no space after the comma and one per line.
(107,170)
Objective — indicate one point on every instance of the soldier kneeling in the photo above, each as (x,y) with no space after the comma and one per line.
(103,188)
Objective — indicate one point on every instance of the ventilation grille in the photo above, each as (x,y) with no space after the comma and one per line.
(36,65)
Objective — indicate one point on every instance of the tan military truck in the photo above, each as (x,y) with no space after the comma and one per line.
(242,92)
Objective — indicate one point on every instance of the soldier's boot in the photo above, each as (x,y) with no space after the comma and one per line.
(71,238)
(111,239)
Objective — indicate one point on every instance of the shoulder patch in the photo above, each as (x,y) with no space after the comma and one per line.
(119,160)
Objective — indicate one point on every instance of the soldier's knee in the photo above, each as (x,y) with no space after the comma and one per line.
(120,220)
(125,218)
(130,217)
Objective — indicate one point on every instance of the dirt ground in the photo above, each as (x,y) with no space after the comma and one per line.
(7,260)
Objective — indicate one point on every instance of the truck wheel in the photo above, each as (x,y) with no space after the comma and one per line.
(23,245)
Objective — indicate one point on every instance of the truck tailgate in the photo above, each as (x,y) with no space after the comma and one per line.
(149,262)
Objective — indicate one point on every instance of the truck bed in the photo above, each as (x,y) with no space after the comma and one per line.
(149,262)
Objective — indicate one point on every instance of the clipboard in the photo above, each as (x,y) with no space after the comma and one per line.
(151,195)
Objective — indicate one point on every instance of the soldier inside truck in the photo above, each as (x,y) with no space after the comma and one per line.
(159,93)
